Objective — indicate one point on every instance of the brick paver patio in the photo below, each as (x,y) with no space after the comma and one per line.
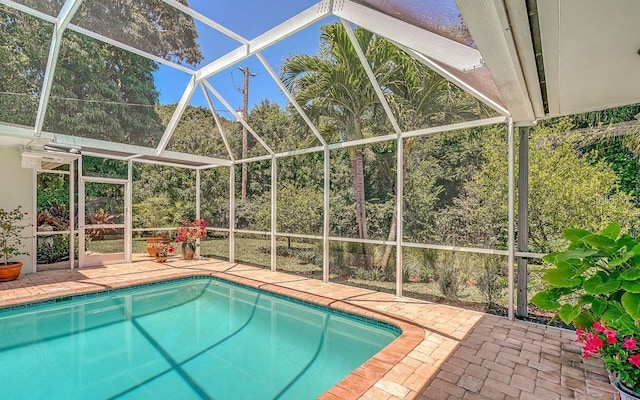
(443,353)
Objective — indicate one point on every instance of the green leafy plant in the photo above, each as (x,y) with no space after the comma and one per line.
(596,279)
(11,226)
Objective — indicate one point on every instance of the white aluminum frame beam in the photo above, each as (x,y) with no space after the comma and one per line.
(207,21)
(449,52)
(238,117)
(29,10)
(177,114)
(130,49)
(66,14)
(372,78)
(289,27)
(137,150)
(291,99)
(216,118)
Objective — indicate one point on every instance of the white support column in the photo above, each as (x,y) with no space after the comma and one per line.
(399,211)
(72,213)
(511,219)
(128,219)
(34,225)
(274,211)
(232,214)
(325,207)
(197,209)
(81,216)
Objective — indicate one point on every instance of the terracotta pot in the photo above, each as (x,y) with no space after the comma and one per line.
(161,257)
(153,240)
(188,250)
(10,272)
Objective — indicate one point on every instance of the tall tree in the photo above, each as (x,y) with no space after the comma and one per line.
(333,83)
(99,91)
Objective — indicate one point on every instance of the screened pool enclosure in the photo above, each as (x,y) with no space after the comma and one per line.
(367,142)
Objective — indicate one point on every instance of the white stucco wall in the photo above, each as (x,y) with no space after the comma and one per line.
(16,189)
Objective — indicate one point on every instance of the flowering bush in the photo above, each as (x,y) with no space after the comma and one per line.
(620,353)
(190,231)
(11,227)
(163,248)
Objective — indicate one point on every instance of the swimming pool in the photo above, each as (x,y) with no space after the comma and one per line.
(185,339)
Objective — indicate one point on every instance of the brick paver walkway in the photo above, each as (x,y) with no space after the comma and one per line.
(443,353)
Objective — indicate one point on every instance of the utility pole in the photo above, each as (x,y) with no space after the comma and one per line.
(245,113)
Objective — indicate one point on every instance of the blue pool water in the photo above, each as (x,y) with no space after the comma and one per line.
(187,339)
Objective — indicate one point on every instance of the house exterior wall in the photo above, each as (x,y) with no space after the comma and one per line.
(16,189)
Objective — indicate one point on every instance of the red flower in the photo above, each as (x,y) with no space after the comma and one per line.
(635,360)
(598,327)
(630,343)
(611,336)
(593,343)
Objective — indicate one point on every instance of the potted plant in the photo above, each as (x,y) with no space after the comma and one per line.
(11,227)
(595,285)
(152,240)
(162,250)
(188,233)
(619,352)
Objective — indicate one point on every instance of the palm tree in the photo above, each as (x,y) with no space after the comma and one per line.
(334,83)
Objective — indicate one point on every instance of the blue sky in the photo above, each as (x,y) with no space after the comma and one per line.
(254,17)
(258,17)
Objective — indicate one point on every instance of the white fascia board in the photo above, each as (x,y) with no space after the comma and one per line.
(452,78)
(289,96)
(130,49)
(177,114)
(372,78)
(227,60)
(489,26)
(207,21)
(238,117)
(30,11)
(447,51)
(218,122)
(549,18)
(302,20)
(521,30)
(134,149)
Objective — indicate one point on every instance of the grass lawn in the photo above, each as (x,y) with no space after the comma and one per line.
(304,258)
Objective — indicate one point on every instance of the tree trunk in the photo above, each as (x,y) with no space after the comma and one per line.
(357,172)
(394,219)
